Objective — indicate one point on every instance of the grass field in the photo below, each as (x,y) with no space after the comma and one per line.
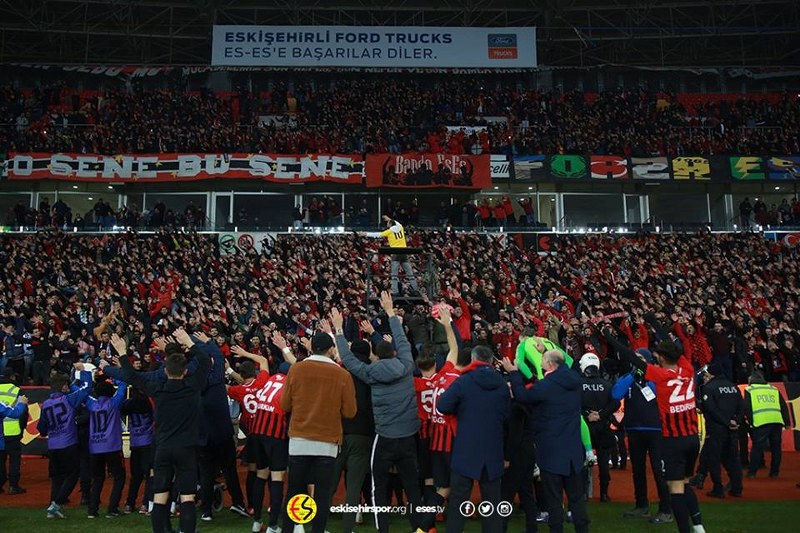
(730,516)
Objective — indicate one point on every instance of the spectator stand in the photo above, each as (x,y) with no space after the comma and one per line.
(428,282)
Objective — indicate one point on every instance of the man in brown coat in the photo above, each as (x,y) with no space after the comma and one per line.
(318,393)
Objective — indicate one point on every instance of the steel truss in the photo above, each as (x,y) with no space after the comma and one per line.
(572,33)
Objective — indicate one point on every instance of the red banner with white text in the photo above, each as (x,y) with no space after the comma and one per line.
(428,171)
(279,168)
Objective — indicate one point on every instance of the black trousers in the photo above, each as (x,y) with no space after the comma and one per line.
(769,434)
(140,465)
(402,454)
(85,463)
(213,458)
(353,459)
(64,470)
(13,456)
(642,444)
(604,443)
(573,485)
(460,491)
(306,470)
(518,479)
(41,373)
(114,463)
(723,450)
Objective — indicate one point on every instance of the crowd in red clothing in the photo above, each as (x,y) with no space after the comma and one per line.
(397,114)
(732,296)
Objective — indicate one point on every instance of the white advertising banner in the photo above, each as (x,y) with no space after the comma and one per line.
(371,46)
(499,165)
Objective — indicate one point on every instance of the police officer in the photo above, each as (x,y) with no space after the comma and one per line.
(12,429)
(767,414)
(598,407)
(723,411)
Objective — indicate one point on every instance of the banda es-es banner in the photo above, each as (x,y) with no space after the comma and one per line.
(423,171)
(186,167)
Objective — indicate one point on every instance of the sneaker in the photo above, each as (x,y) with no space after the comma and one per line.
(113,514)
(206,517)
(240,510)
(55,511)
(16,490)
(257,527)
(542,517)
(698,529)
(91,516)
(273,529)
(661,518)
(715,494)
(128,509)
(143,509)
(605,498)
(637,512)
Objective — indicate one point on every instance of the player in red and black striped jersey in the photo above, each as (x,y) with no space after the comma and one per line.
(675,394)
(442,428)
(426,363)
(675,389)
(267,428)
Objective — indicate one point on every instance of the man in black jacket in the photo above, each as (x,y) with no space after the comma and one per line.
(481,402)
(177,427)
(643,426)
(723,410)
(359,432)
(598,406)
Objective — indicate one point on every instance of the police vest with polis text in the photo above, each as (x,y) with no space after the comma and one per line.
(8,395)
(765,400)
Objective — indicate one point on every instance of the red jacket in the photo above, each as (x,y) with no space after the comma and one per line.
(695,347)
(642,341)
(464,322)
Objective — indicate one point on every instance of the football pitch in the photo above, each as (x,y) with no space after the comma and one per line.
(730,516)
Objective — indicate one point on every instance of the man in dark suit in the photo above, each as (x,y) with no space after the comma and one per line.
(561,455)
(481,403)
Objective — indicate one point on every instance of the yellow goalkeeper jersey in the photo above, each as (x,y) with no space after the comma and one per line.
(396,236)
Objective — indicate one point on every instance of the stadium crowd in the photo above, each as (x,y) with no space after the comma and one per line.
(63,285)
(729,302)
(395,115)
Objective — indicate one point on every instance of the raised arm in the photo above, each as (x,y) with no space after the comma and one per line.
(129,375)
(624,351)
(622,386)
(280,342)
(401,343)
(446,321)
(119,396)
(260,360)
(661,331)
(356,367)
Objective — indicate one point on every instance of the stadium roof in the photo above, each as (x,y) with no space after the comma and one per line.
(572,33)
